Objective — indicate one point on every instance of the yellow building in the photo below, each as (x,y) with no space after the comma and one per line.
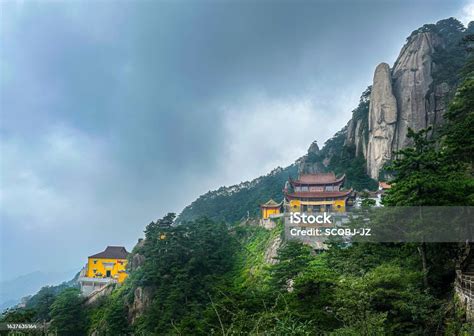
(270,208)
(108,264)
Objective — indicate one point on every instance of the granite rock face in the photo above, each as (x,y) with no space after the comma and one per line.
(309,164)
(412,94)
(356,136)
(142,297)
(403,97)
(382,120)
(412,80)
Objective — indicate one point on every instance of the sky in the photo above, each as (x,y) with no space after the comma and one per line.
(113,113)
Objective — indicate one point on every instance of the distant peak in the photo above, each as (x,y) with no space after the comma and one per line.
(313,148)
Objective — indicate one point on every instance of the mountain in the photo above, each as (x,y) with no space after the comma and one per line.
(11,291)
(412,94)
(237,202)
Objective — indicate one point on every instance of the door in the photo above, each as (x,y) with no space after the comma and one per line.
(108,274)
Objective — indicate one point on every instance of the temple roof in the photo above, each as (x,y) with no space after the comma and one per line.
(318,178)
(270,204)
(112,252)
(384,185)
(318,194)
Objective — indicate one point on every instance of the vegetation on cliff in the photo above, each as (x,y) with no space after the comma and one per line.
(234,203)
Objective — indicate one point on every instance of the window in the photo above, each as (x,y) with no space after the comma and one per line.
(95,261)
(108,274)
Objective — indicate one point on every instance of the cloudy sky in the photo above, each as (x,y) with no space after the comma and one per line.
(114,113)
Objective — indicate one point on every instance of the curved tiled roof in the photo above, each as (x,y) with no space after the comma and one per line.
(319,178)
(318,194)
(270,204)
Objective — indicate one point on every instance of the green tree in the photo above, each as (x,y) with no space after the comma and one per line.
(19,315)
(67,314)
(116,317)
(459,135)
(314,292)
(42,302)
(423,176)
(183,270)
(292,259)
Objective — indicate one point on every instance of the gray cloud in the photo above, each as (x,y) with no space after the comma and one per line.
(114,113)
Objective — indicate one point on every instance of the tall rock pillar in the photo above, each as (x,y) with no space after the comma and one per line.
(382,120)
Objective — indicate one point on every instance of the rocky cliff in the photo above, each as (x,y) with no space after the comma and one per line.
(311,163)
(412,79)
(382,120)
(412,94)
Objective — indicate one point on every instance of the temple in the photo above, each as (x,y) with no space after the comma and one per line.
(270,209)
(108,266)
(316,193)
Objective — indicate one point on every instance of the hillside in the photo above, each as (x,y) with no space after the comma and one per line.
(234,203)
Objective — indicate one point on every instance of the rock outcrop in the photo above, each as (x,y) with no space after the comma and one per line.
(141,300)
(357,127)
(141,295)
(406,96)
(310,163)
(272,250)
(382,120)
(360,139)
(137,259)
(412,80)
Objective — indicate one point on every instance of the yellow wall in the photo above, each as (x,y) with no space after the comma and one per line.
(337,205)
(295,205)
(117,271)
(266,212)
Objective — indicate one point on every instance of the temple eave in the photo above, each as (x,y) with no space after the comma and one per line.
(319,195)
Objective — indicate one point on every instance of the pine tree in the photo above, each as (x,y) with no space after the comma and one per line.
(67,315)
